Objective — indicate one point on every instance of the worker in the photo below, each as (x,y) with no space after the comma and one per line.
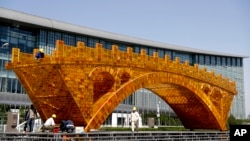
(134,117)
(49,123)
(67,125)
(39,54)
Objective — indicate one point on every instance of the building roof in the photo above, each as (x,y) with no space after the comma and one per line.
(63,26)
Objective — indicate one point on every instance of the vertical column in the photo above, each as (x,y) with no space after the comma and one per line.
(98,51)
(156,57)
(80,49)
(129,53)
(167,58)
(59,48)
(115,52)
(143,55)
(15,55)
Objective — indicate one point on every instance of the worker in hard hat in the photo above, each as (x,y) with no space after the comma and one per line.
(134,118)
(49,123)
(39,54)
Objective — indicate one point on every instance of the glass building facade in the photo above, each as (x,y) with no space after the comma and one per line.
(28,35)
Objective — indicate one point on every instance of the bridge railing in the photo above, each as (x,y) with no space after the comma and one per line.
(124,136)
(70,54)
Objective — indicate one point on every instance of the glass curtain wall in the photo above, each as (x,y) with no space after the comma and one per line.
(27,39)
(228,67)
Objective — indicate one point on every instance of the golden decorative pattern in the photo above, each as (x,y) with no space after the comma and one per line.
(86,84)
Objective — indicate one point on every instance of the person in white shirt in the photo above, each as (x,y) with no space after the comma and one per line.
(31,116)
(134,117)
(49,123)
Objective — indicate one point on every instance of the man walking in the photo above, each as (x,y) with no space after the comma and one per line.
(134,117)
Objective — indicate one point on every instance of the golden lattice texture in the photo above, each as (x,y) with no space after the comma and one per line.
(86,84)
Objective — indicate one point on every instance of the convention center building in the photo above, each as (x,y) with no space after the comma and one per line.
(27,32)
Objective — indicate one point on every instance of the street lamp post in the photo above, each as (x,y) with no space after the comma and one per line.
(5,45)
(158,112)
(169,116)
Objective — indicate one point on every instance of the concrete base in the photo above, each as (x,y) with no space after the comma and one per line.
(12,122)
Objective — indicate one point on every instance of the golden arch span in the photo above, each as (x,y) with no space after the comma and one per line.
(86,84)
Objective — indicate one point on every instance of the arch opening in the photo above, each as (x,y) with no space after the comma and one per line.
(103,82)
(188,104)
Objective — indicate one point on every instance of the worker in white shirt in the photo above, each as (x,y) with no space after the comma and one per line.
(49,123)
(134,117)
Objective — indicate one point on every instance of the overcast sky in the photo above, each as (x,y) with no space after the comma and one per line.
(214,25)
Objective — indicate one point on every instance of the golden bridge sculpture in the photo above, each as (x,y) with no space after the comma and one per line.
(86,84)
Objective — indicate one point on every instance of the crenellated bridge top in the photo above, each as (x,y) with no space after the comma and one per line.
(66,54)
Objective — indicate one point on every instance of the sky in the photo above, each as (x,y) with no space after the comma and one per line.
(213,25)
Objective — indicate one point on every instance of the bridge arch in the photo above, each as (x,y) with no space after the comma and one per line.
(106,78)
(121,75)
(195,97)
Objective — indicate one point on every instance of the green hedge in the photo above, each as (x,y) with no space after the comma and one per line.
(163,128)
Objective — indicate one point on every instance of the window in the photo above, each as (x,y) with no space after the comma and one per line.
(201,60)
(207,60)
(69,39)
(161,53)
(233,62)
(223,61)
(239,62)
(19,88)
(184,56)
(109,45)
(137,49)
(218,60)
(151,51)
(122,47)
(213,61)
(92,42)
(81,39)
(229,63)
(120,121)
(42,35)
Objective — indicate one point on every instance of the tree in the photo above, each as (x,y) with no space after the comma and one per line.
(3,113)
(233,121)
